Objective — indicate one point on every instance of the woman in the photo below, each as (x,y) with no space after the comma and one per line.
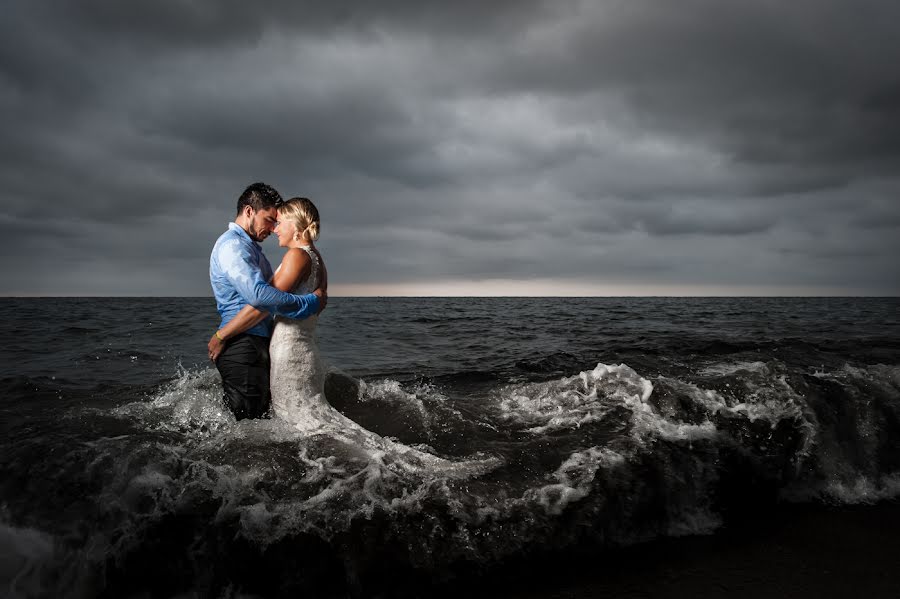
(297,372)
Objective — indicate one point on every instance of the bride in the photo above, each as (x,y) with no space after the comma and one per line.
(297,375)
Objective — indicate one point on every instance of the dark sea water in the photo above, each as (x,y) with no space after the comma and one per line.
(603,447)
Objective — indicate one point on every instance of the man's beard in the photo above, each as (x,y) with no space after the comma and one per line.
(256,236)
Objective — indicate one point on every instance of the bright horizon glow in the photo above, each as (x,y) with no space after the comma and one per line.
(568,288)
(542,288)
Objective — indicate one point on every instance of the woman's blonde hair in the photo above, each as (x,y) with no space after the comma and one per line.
(304,214)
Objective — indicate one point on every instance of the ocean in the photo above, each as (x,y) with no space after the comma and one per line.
(626,447)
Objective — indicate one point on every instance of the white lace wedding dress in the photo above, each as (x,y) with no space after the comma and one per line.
(298,396)
(297,376)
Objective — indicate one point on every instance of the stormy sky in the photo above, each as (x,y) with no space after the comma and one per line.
(628,147)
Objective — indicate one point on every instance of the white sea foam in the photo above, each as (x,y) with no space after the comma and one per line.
(279,480)
(756,392)
(570,402)
(589,396)
(760,395)
(847,460)
(852,490)
(864,490)
(191,402)
(391,392)
(886,373)
(342,493)
(729,368)
(886,377)
(574,478)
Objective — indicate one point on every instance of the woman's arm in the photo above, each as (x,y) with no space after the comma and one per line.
(294,268)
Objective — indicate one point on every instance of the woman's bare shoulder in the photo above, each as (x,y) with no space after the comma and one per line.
(295,267)
(295,257)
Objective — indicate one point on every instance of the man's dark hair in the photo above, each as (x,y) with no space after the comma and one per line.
(259,196)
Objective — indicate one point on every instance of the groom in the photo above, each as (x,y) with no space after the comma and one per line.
(239,273)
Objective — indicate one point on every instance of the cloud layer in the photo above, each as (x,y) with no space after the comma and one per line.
(575,146)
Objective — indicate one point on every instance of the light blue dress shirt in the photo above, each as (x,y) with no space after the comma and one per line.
(240,273)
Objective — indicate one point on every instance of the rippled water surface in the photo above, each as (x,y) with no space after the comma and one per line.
(554,424)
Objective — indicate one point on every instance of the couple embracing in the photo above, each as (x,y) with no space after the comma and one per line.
(266,345)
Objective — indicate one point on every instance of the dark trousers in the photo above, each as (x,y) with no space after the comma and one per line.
(244,366)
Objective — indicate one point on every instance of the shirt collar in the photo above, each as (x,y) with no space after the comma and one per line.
(240,231)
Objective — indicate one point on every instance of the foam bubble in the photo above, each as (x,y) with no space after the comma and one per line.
(886,377)
(590,396)
(574,478)
(757,394)
(190,403)
(391,392)
(570,402)
(730,368)
(760,395)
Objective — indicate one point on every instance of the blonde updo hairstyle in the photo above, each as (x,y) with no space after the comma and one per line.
(304,214)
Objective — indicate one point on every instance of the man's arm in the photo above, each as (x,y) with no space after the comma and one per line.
(235,260)
(251,315)
(244,320)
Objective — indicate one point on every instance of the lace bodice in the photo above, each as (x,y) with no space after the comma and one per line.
(311,283)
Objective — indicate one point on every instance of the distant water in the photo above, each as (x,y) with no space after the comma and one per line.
(607,423)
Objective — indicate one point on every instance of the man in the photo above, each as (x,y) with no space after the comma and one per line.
(239,274)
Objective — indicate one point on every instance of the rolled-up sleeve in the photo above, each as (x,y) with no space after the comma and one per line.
(236,260)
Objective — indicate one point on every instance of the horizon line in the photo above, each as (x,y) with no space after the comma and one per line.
(540,296)
(549,287)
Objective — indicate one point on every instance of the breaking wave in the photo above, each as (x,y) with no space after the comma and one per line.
(606,454)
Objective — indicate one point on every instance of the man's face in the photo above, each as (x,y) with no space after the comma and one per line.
(262,222)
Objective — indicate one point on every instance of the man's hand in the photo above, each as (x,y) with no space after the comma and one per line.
(215,347)
(323,298)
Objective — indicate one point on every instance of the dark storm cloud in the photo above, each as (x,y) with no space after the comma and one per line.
(809,82)
(703,142)
(225,22)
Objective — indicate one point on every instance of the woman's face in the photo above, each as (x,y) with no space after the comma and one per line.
(285,229)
